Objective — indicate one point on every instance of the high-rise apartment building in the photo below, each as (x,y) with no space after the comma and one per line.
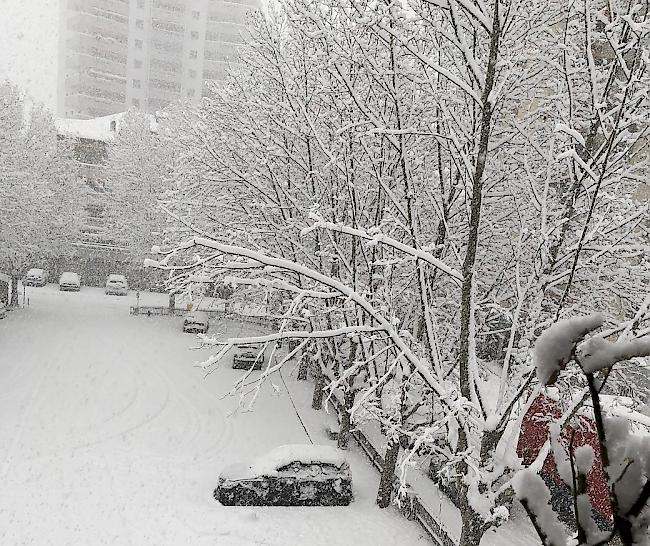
(121,54)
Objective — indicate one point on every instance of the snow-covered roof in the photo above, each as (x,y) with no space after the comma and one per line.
(92,129)
(102,129)
(271,462)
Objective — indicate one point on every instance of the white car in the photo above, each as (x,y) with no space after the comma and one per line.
(117,285)
(35,277)
(70,281)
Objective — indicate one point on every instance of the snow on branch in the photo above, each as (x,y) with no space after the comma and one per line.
(535,498)
(556,346)
(281,285)
(378,237)
(597,353)
(382,323)
(296,334)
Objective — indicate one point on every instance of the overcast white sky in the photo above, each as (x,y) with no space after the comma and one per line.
(28,46)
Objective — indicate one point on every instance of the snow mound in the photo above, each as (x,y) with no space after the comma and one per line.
(553,349)
(271,462)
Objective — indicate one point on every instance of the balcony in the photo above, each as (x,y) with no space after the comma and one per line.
(118,7)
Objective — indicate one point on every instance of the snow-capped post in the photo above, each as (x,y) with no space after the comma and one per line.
(625,458)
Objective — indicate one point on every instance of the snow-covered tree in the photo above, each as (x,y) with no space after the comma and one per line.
(139,160)
(40,198)
(433,183)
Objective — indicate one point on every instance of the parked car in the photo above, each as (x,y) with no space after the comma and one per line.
(196,322)
(70,281)
(3,309)
(117,285)
(290,475)
(247,357)
(35,277)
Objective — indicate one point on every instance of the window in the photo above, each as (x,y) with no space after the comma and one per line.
(138,44)
(136,84)
(113,125)
(190,92)
(196,14)
(137,63)
(195,35)
(139,23)
(192,73)
(135,102)
(193,54)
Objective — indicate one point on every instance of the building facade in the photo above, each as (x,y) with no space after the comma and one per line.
(121,54)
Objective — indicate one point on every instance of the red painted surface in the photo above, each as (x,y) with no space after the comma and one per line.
(535,432)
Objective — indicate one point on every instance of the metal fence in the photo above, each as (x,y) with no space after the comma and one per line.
(410,504)
(150,310)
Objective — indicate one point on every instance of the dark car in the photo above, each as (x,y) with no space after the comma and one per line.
(196,322)
(291,475)
(247,357)
(35,277)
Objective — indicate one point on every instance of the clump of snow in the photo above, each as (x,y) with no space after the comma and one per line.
(148,262)
(554,348)
(155,249)
(594,534)
(629,466)
(584,457)
(564,128)
(532,490)
(597,353)
(281,456)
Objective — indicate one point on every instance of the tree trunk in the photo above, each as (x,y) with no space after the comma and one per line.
(13,302)
(319,386)
(473,529)
(303,367)
(385,492)
(346,419)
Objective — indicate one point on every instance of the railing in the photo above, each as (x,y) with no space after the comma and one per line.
(149,311)
(410,504)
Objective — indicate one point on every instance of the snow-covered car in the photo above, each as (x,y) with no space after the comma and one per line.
(70,281)
(117,285)
(290,475)
(196,322)
(3,309)
(35,277)
(247,357)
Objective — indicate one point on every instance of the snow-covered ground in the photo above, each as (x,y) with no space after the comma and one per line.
(109,435)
